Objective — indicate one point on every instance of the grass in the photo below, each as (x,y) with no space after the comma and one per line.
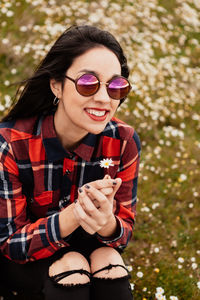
(163,108)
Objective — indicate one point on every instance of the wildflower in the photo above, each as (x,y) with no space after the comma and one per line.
(181,259)
(13,71)
(132,286)
(173,298)
(198,284)
(139,274)
(160,296)
(23,28)
(156,270)
(145,209)
(182,178)
(129,268)
(6,82)
(160,290)
(194,266)
(174,243)
(9,13)
(5,41)
(155,205)
(156,250)
(106,163)
(180,266)
(2,108)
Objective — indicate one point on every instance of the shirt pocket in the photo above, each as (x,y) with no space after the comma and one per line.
(40,204)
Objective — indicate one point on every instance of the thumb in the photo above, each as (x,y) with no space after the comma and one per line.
(107,176)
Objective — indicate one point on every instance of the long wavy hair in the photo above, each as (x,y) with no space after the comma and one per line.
(36,97)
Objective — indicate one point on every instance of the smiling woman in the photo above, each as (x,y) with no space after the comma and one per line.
(68,183)
(83,114)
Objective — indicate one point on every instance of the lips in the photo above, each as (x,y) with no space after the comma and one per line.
(96,114)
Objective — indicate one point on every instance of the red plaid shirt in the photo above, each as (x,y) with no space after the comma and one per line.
(38,178)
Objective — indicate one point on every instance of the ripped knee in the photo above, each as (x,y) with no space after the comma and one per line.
(71,269)
(111,271)
(72,278)
(106,262)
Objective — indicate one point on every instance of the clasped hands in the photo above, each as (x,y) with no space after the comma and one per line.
(93,208)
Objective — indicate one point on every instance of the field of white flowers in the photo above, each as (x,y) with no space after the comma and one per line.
(161,39)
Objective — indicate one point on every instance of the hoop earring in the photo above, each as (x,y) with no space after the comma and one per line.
(56,101)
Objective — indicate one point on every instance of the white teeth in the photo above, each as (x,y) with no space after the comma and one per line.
(97,113)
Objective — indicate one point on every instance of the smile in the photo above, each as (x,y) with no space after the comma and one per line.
(98,113)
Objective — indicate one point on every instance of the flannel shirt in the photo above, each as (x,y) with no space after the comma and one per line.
(39,178)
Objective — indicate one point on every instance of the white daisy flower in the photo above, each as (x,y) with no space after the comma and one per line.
(160,296)
(106,163)
(160,290)
(139,274)
(129,268)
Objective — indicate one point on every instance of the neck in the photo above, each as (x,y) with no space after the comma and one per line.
(69,138)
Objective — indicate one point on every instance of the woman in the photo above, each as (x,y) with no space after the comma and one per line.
(69,173)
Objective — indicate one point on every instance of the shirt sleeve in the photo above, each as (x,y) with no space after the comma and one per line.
(21,240)
(126,196)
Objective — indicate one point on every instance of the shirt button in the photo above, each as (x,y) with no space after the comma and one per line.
(67,172)
(31,200)
(59,245)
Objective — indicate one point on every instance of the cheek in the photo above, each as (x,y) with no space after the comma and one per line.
(115,106)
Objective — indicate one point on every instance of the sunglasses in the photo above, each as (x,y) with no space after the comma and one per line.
(88,84)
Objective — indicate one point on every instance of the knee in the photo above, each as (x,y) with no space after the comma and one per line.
(104,257)
(69,262)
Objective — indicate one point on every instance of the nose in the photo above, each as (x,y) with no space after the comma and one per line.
(102,94)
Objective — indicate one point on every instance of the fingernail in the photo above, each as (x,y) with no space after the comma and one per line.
(80,190)
(75,201)
(87,186)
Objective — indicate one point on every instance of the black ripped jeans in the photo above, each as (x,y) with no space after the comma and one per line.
(32,278)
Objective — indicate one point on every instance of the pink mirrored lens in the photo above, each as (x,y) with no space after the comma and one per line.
(87,85)
(118,88)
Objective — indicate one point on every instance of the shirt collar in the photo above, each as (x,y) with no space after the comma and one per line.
(53,147)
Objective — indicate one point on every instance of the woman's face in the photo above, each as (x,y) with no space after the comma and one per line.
(80,114)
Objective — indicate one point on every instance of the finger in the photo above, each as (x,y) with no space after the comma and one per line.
(88,205)
(85,220)
(80,199)
(96,203)
(107,191)
(96,194)
(102,183)
(107,176)
(118,182)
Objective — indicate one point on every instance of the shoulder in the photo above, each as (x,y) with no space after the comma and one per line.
(18,129)
(118,129)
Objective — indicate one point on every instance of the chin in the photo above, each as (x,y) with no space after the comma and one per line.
(97,130)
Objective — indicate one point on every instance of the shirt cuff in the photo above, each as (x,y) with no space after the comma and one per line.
(53,228)
(116,237)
